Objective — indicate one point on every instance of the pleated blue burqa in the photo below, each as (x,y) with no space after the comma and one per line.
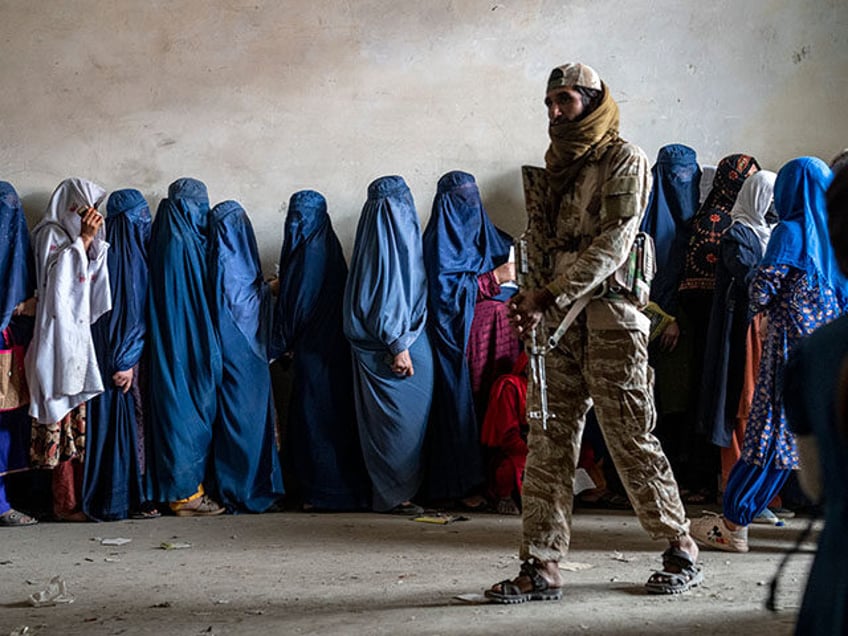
(17,284)
(460,244)
(385,312)
(17,270)
(112,483)
(185,357)
(671,206)
(322,447)
(246,466)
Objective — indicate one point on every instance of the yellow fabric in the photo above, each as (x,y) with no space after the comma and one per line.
(573,142)
(179,503)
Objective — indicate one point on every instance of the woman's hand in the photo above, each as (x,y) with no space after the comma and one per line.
(90,222)
(274,285)
(670,336)
(25,308)
(402,364)
(123,380)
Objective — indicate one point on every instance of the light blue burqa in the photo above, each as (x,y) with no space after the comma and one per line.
(385,311)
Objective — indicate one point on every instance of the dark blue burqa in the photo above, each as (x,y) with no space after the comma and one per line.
(17,283)
(185,357)
(112,483)
(17,279)
(246,467)
(460,244)
(672,204)
(323,442)
(724,361)
(385,311)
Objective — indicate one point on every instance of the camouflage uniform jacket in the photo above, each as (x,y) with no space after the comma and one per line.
(575,242)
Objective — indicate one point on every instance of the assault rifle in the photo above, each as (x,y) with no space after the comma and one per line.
(632,280)
(537,351)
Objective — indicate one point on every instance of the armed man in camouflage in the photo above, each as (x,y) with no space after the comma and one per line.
(593,193)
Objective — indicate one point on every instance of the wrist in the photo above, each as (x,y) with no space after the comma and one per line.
(547,298)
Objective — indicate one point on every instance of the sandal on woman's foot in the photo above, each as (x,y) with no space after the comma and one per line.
(507,506)
(205,507)
(767,518)
(783,513)
(510,591)
(15,519)
(679,574)
(472,505)
(146,513)
(406,508)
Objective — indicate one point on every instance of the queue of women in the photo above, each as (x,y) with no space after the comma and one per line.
(138,349)
(146,374)
(747,275)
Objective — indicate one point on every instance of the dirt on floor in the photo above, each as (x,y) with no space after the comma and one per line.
(301,573)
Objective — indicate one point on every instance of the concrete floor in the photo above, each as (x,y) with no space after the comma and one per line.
(296,573)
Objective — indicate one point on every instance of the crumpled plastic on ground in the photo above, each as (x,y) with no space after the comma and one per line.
(115,541)
(55,593)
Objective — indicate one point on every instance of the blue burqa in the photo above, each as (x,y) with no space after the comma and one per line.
(801,238)
(17,281)
(112,483)
(460,244)
(323,446)
(246,467)
(17,284)
(385,310)
(672,204)
(185,357)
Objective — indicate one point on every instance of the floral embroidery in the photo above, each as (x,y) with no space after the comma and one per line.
(59,441)
(712,221)
(795,308)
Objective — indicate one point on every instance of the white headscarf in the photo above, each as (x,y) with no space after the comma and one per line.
(753,201)
(706,183)
(69,197)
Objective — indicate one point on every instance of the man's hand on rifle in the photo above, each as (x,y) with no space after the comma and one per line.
(526,308)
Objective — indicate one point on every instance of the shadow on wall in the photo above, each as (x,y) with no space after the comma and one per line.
(503,198)
(34,206)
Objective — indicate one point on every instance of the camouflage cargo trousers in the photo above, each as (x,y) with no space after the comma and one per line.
(609,369)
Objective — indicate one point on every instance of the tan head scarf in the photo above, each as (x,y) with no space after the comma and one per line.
(574,142)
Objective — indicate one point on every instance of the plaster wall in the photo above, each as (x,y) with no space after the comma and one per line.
(260,98)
